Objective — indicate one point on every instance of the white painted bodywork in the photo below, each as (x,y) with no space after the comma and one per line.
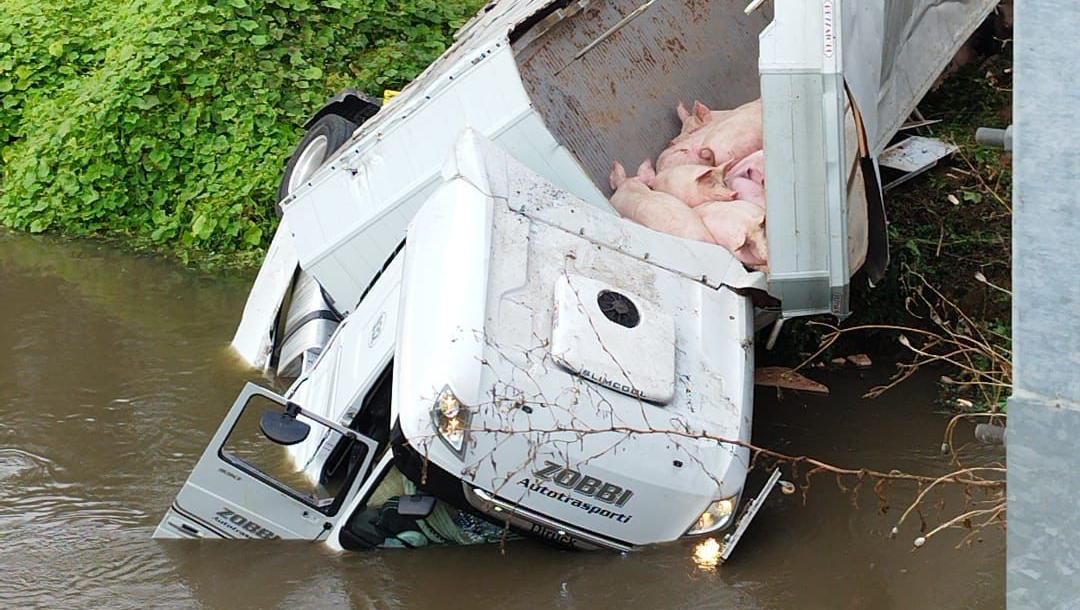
(482,264)
(349,216)
(253,340)
(352,214)
(583,341)
(348,367)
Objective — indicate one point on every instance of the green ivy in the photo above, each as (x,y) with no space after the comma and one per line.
(169,121)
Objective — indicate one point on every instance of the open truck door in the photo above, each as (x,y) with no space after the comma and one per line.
(244,487)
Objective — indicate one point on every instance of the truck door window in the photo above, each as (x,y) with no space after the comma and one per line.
(250,451)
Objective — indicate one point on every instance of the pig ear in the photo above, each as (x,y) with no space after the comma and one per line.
(646,172)
(682,111)
(706,175)
(701,111)
(618,175)
(706,155)
(724,168)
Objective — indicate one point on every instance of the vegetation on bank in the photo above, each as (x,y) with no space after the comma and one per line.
(946,293)
(166,123)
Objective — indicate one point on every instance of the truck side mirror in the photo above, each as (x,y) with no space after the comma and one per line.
(282,427)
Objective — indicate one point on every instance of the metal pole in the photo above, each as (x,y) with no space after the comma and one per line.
(1044,410)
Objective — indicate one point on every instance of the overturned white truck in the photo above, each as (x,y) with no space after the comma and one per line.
(477,344)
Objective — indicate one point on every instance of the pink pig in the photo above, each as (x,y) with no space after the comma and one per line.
(751,166)
(693,184)
(748,190)
(659,211)
(733,137)
(747,177)
(676,155)
(694,120)
(738,226)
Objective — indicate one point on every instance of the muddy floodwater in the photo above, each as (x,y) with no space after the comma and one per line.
(114,371)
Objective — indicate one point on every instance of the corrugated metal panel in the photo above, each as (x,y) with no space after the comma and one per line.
(617,101)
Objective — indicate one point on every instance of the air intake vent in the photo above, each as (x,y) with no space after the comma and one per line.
(618,308)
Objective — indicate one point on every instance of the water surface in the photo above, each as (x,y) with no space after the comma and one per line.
(114,372)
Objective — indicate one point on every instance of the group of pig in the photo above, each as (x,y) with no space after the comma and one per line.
(708,185)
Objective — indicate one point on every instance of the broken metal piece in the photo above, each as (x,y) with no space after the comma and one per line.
(913,156)
(748,514)
(602,37)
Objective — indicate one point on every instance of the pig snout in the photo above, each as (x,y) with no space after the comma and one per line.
(752,166)
(748,190)
(729,143)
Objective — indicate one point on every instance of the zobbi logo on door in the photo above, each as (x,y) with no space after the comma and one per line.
(242,525)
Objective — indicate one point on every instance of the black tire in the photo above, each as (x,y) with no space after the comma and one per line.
(336,130)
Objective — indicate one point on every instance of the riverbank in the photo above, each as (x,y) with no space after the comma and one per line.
(165,126)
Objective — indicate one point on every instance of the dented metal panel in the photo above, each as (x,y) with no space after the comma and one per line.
(896,49)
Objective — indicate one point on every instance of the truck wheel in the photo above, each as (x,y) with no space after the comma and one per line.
(324,137)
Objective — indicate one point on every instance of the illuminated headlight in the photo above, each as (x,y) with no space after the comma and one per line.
(718,515)
(451,419)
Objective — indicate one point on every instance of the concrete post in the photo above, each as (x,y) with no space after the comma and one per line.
(1044,410)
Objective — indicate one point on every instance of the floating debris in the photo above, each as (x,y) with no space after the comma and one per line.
(860,360)
(783,377)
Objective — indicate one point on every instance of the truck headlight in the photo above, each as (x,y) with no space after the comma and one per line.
(716,516)
(451,419)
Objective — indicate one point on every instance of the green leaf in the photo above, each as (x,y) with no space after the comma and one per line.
(253,236)
(199,225)
(170,121)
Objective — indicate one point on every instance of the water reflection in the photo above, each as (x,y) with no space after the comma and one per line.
(707,554)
